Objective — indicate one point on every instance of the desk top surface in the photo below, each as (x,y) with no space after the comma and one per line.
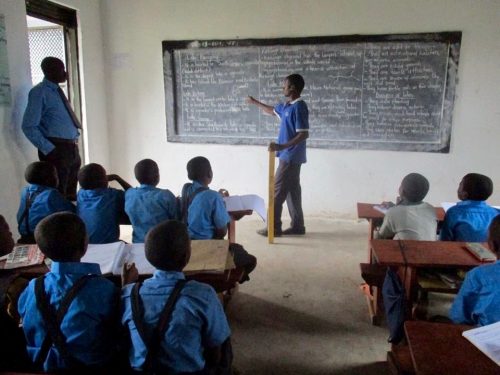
(366,211)
(438,348)
(423,253)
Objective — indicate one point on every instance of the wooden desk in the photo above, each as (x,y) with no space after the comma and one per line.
(375,218)
(221,282)
(421,254)
(438,348)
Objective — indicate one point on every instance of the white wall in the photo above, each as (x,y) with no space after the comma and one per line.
(15,151)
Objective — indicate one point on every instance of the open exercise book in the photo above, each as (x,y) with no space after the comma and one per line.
(206,256)
(486,339)
(246,202)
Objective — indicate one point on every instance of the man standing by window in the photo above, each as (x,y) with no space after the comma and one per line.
(51,125)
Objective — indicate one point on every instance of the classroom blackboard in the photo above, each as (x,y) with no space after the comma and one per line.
(379,92)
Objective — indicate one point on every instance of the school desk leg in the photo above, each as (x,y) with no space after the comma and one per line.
(270,209)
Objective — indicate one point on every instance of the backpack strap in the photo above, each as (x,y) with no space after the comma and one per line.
(187,199)
(153,343)
(26,213)
(53,320)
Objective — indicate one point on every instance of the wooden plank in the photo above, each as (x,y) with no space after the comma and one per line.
(270,209)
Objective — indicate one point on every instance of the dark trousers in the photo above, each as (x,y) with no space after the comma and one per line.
(66,158)
(287,188)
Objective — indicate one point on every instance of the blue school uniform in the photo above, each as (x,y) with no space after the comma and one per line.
(46,116)
(147,206)
(90,323)
(478,301)
(45,201)
(198,321)
(206,213)
(100,209)
(294,118)
(468,221)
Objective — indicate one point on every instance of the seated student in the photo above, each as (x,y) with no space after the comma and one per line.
(410,218)
(469,219)
(6,240)
(478,301)
(207,217)
(194,327)
(39,199)
(148,205)
(100,206)
(85,335)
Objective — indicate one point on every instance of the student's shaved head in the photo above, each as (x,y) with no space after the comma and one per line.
(494,235)
(147,172)
(41,173)
(62,237)
(414,187)
(199,168)
(92,176)
(167,245)
(476,187)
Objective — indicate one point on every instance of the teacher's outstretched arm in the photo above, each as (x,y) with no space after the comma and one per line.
(269,109)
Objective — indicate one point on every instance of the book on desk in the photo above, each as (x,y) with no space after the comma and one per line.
(210,256)
(23,256)
(206,256)
(486,339)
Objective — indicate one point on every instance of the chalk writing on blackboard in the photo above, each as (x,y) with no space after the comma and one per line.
(375,94)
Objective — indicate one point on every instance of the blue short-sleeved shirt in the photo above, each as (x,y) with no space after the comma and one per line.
(100,209)
(147,206)
(90,325)
(47,116)
(468,221)
(294,118)
(45,201)
(206,213)
(478,301)
(198,321)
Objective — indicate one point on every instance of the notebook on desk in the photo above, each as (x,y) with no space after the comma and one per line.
(481,252)
(486,339)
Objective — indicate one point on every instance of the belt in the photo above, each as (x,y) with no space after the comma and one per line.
(62,140)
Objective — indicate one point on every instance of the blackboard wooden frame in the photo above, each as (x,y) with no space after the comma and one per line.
(452,39)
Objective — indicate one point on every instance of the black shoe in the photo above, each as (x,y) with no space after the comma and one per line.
(263,232)
(294,231)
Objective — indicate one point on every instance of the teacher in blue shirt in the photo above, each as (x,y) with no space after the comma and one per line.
(51,125)
(291,151)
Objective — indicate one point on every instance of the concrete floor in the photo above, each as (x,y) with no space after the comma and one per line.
(302,311)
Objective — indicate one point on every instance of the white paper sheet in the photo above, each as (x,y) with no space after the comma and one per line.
(247,202)
(110,257)
(486,339)
(138,256)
